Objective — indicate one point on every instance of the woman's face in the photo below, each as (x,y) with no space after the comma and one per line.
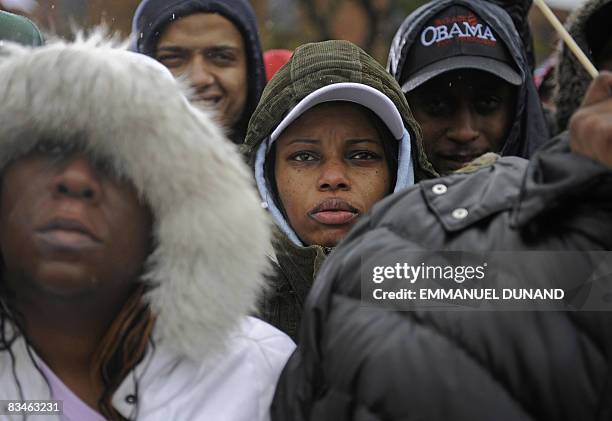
(330,169)
(67,228)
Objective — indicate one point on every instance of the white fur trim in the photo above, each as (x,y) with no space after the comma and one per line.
(211,233)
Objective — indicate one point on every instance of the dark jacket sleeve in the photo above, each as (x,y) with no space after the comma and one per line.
(357,363)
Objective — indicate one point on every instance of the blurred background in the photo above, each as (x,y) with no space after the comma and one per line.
(283,23)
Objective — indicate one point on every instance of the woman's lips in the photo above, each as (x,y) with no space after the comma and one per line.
(333,211)
(334,217)
(68,240)
(67,235)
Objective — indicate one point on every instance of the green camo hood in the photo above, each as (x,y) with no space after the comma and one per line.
(316,65)
(322,67)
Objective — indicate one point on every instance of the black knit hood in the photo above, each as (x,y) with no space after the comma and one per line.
(152,16)
(529,130)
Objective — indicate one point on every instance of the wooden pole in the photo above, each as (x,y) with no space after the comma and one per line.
(567,38)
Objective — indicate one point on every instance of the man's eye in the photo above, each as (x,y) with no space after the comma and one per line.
(170,61)
(302,157)
(437,106)
(222,57)
(364,155)
(487,104)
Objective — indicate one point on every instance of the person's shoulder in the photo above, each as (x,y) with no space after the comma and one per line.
(251,340)
(247,371)
(489,187)
(264,342)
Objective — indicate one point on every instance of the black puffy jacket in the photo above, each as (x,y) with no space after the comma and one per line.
(367,364)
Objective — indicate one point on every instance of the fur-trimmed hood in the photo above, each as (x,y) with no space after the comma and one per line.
(210,233)
(571,79)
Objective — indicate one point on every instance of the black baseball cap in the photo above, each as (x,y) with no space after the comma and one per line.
(457,38)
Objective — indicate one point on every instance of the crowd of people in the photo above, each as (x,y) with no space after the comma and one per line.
(184,218)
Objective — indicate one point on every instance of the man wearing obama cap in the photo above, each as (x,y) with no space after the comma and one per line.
(463,69)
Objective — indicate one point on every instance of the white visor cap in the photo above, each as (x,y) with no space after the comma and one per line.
(357,93)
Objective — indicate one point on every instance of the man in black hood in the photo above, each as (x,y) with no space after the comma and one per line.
(215,45)
(464,70)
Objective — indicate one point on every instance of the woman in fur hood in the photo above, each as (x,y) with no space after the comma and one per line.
(132,244)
